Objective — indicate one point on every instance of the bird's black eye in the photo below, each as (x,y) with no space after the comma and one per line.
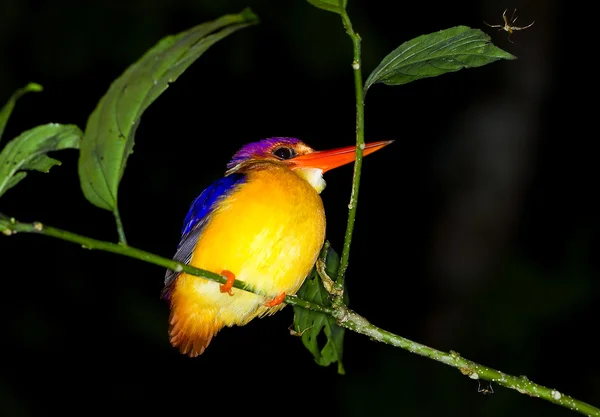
(284,153)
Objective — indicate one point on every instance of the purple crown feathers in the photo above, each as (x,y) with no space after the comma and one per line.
(259,149)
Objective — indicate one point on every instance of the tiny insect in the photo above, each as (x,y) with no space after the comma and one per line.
(486,389)
(509,25)
(293,332)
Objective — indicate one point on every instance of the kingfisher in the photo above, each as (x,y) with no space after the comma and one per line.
(263,223)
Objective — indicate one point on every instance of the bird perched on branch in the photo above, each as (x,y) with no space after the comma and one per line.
(262,223)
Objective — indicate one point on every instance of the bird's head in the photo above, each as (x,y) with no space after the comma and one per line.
(299,157)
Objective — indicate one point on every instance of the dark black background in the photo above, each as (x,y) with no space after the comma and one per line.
(475,232)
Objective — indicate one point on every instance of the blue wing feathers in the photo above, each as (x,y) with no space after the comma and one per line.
(204,203)
(196,219)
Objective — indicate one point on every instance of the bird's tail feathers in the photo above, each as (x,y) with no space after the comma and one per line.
(190,332)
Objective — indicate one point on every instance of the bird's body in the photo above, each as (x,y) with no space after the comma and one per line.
(264,224)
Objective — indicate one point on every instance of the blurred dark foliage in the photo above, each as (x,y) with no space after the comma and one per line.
(476,231)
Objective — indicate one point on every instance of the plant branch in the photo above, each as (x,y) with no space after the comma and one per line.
(522,384)
(360,144)
(9,226)
(344,316)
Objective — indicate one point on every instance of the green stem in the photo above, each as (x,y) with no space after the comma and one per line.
(360,143)
(120,230)
(358,324)
(9,226)
(344,317)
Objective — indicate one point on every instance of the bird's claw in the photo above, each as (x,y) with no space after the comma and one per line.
(229,284)
(276,301)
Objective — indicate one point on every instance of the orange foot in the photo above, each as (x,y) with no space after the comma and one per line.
(229,284)
(276,301)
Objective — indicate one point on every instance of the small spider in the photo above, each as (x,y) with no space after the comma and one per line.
(293,332)
(510,26)
(486,389)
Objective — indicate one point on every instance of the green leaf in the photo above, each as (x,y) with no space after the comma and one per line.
(436,53)
(6,111)
(309,324)
(109,135)
(336,6)
(28,151)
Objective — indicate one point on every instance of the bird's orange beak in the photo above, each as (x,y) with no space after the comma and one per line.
(326,160)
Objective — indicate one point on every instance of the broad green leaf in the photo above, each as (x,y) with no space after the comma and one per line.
(436,53)
(109,135)
(309,324)
(6,111)
(28,151)
(336,6)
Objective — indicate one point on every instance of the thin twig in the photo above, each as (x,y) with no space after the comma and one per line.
(360,144)
(522,384)
(9,227)
(344,316)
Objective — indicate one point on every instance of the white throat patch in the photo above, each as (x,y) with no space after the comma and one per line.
(314,176)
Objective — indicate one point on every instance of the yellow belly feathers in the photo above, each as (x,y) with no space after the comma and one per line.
(268,233)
